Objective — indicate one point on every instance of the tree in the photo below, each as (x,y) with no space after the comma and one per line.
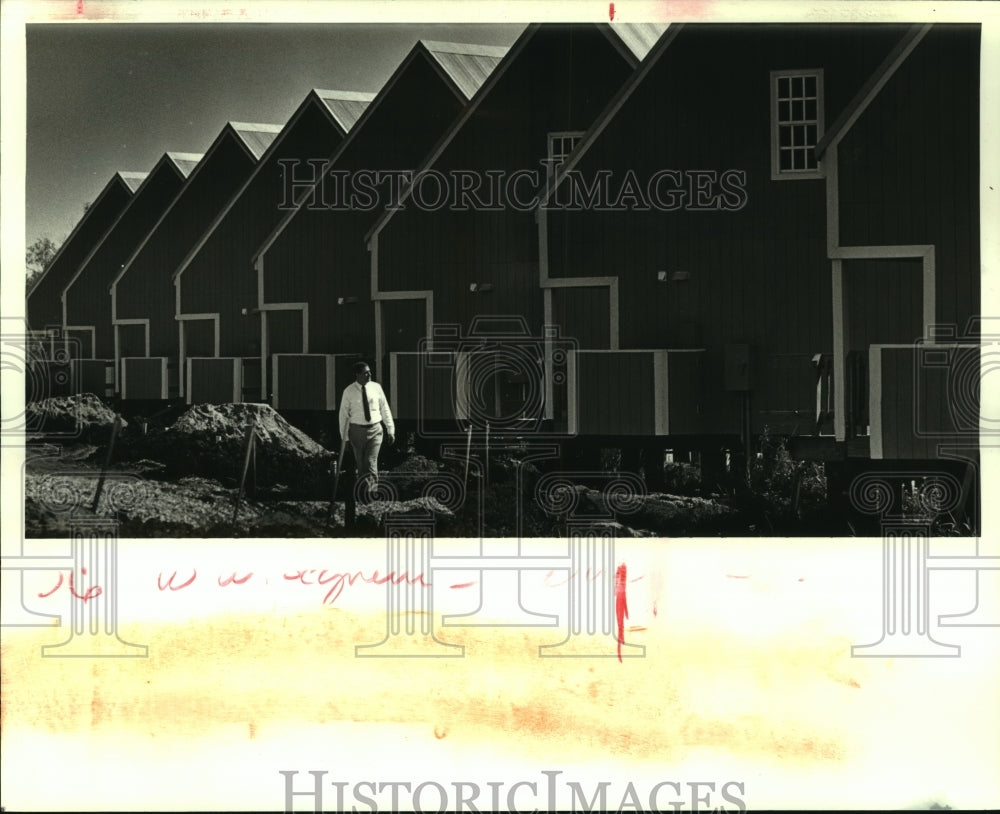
(37,258)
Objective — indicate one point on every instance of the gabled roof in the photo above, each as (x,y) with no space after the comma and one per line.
(256,137)
(468,66)
(512,54)
(463,66)
(133,180)
(639,37)
(185,162)
(182,163)
(345,106)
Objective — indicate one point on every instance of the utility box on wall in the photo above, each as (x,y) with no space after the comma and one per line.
(737,375)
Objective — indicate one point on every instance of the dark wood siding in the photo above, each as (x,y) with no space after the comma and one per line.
(44,307)
(284,331)
(581,314)
(404,324)
(622,402)
(909,168)
(143,378)
(212,381)
(559,81)
(321,254)
(93,376)
(132,340)
(757,273)
(88,301)
(145,290)
(81,345)
(882,302)
(221,278)
(199,337)
(920,404)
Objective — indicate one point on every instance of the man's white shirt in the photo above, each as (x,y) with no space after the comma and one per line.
(352,410)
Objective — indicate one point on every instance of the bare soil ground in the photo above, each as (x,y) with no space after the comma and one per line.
(182,479)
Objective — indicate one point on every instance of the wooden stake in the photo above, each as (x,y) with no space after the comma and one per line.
(115,427)
(249,444)
(336,481)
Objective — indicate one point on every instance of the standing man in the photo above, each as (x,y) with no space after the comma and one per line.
(363,410)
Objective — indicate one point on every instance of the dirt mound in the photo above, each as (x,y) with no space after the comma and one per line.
(208,441)
(82,418)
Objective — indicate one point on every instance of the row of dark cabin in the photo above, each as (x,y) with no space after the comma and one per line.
(776,224)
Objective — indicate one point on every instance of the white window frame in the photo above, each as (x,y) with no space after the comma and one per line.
(778,174)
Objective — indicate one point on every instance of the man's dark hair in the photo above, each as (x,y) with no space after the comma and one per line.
(359,367)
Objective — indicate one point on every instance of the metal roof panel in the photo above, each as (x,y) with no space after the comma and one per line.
(467,65)
(639,37)
(185,162)
(345,106)
(133,180)
(256,137)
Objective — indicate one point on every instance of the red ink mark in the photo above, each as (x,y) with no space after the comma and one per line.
(234,580)
(79,6)
(58,585)
(92,592)
(611,12)
(338,581)
(621,605)
(655,611)
(462,585)
(170,582)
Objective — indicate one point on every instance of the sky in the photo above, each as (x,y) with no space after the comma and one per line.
(109,97)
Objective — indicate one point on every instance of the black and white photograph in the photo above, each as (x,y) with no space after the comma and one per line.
(475,407)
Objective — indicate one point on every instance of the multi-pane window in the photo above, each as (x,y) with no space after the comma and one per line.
(796,123)
(561,145)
